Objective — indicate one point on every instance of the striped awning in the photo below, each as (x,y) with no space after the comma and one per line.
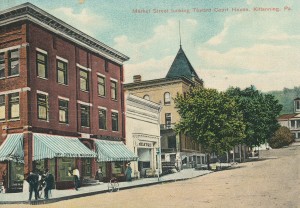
(51,146)
(12,148)
(113,151)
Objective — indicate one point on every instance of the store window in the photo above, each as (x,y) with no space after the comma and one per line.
(114,120)
(2,107)
(102,119)
(85,115)
(14,106)
(117,168)
(62,72)
(43,107)
(41,65)
(2,65)
(63,111)
(101,86)
(14,63)
(66,165)
(84,80)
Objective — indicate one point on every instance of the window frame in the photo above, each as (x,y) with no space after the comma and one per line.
(45,63)
(65,109)
(105,118)
(85,110)
(146,97)
(10,60)
(2,62)
(11,103)
(99,84)
(116,116)
(2,105)
(168,125)
(63,70)
(113,90)
(167,100)
(43,103)
(85,79)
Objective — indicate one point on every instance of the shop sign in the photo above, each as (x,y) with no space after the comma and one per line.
(145,144)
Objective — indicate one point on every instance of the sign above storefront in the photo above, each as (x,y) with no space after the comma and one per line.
(144,144)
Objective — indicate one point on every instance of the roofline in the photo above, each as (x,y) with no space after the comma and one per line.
(145,102)
(30,12)
(154,82)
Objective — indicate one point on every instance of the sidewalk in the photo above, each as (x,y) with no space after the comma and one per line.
(59,195)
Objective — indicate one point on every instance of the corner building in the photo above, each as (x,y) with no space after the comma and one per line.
(61,100)
(176,149)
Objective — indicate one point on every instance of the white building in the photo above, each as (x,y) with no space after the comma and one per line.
(143,135)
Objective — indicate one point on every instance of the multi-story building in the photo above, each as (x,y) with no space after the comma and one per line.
(176,148)
(61,99)
(292,121)
(143,135)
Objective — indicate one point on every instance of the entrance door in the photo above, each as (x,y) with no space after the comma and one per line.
(86,167)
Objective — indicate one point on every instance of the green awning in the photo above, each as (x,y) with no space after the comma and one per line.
(113,151)
(51,146)
(12,148)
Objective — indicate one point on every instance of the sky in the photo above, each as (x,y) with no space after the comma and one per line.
(228,42)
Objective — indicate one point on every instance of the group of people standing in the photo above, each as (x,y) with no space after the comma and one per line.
(39,183)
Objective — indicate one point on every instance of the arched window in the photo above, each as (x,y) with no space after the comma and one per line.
(167,98)
(146,97)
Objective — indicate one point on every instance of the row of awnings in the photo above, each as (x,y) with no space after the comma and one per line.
(50,146)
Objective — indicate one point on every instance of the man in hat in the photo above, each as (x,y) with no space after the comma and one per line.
(33,180)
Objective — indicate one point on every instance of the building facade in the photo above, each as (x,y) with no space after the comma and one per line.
(176,149)
(143,135)
(61,94)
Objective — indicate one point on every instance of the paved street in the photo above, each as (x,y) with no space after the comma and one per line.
(272,182)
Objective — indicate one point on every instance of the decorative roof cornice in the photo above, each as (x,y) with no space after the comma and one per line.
(36,15)
(157,82)
(142,103)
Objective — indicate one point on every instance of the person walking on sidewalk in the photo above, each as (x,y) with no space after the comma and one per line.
(33,180)
(128,172)
(49,183)
(76,176)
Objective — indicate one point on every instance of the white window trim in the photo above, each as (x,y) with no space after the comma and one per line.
(112,79)
(84,103)
(84,68)
(63,98)
(16,90)
(41,92)
(114,111)
(62,59)
(103,108)
(41,51)
(101,75)
(13,47)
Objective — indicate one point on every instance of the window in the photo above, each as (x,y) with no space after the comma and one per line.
(101,86)
(41,65)
(84,80)
(63,111)
(114,121)
(2,107)
(2,65)
(167,98)
(146,97)
(172,142)
(168,120)
(85,115)
(102,119)
(14,106)
(293,123)
(297,105)
(42,105)
(106,66)
(113,90)
(14,63)
(62,72)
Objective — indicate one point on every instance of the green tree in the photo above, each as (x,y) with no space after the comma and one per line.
(211,118)
(259,114)
(281,138)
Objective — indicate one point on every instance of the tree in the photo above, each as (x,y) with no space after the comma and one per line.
(259,114)
(211,118)
(281,138)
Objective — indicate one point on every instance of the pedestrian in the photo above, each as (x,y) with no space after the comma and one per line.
(128,172)
(41,184)
(76,176)
(33,180)
(99,175)
(49,180)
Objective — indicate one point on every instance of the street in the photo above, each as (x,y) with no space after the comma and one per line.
(271,182)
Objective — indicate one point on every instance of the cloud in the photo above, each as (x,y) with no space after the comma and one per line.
(85,20)
(280,37)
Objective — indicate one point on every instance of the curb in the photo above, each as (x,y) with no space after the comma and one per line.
(54,200)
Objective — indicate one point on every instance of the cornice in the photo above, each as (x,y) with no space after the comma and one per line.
(36,15)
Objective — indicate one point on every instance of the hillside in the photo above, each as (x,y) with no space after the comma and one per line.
(286,98)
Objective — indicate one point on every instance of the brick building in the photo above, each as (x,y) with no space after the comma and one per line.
(61,99)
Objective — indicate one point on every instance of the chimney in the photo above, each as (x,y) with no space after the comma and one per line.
(137,78)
